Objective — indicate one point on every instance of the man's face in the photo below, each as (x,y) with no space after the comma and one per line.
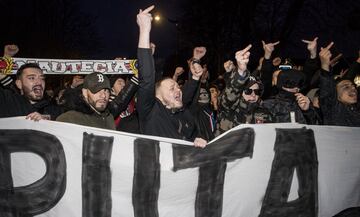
(32,84)
(99,100)
(251,94)
(118,85)
(346,92)
(169,94)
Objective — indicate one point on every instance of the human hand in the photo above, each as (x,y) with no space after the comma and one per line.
(152,46)
(199,52)
(178,71)
(325,56)
(242,58)
(35,116)
(10,50)
(144,18)
(312,47)
(229,66)
(200,143)
(269,48)
(302,101)
(196,70)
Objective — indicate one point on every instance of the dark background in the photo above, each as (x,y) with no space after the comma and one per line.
(89,29)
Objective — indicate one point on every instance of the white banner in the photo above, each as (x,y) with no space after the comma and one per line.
(65,66)
(59,169)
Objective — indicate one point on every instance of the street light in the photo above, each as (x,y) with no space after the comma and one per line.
(157,18)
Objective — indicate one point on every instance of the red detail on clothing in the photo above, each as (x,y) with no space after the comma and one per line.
(129,110)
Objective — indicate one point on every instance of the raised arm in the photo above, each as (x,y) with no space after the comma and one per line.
(237,78)
(267,68)
(327,94)
(311,64)
(146,93)
(191,86)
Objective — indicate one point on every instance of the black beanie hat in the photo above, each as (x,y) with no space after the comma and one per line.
(290,79)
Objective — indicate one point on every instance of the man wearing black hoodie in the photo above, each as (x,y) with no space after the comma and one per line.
(289,105)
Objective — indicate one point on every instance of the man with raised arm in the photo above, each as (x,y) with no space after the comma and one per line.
(338,98)
(28,99)
(162,106)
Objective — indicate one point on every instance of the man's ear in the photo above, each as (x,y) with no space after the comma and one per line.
(18,84)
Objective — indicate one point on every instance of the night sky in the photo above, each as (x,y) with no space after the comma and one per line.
(112,21)
(117,25)
(89,29)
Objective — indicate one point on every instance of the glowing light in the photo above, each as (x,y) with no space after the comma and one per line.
(157,18)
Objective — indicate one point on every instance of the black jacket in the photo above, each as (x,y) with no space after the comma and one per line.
(335,112)
(285,102)
(13,104)
(154,118)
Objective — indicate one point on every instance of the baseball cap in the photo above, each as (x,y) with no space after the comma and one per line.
(96,81)
(251,81)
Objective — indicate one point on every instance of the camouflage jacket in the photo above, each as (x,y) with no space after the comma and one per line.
(233,110)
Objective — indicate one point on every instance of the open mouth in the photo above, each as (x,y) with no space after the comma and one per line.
(352,93)
(38,90)
(178,98)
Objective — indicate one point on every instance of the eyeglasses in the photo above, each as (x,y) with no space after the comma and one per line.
(249,91)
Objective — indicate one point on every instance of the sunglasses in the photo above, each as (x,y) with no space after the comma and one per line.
(249,91)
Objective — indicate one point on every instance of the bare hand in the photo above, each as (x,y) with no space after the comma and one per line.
(179,70)
(229,66)
(312,47)
(325,56)
(10,50)
(196,70)
(303,101)
(199,142)
(269,48)
(242,58)
(144,18)
(199,52)
(152,46)
(35,116)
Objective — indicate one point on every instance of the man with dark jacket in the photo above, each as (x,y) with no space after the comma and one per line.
(29,100)
(338,98)
(290,101)
(91,110)
(162,107)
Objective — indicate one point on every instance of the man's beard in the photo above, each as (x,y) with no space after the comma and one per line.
(35,94)
(100,108)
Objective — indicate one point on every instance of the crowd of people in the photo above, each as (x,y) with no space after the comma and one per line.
(197,110)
